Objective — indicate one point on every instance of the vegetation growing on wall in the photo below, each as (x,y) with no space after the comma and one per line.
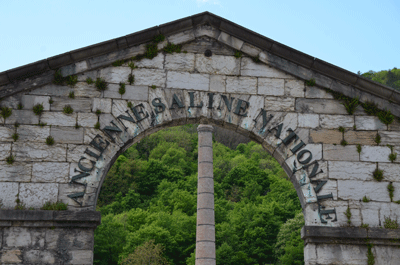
(150,194)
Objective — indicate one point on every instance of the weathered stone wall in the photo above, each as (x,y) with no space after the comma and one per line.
(266,100)
(47,237)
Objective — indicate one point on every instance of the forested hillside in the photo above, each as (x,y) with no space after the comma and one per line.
(148,203)
(390,77)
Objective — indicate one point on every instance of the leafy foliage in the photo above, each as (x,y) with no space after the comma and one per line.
(55,206)
(5,112)
(171,48)
(390,77)
(150,195)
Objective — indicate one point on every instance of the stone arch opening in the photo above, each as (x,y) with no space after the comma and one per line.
(244,196)
(312,103)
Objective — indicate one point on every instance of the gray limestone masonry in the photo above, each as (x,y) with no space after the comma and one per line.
(267,101)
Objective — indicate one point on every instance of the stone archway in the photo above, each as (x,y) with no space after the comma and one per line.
(301,109)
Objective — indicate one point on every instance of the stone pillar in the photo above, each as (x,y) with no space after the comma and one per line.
(205,233)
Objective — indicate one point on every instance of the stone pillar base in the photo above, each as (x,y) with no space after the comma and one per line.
(47,237)
(350,245)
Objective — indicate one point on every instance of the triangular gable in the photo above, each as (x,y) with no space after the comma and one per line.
(192,28)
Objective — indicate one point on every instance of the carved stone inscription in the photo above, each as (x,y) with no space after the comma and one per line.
(139,114)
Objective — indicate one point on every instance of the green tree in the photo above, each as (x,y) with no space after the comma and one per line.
(289,246)
(146,254)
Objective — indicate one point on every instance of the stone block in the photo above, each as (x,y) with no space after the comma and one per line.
(351,170)
(395,125)
(390,137)
(149,77)
(29,101)
(21,117)
(77,104)
(315,92)
(369,123)
(245,85)
(20,172)
(37,194)
(103,104)
(5,151)
(33,133)
(67,135)
(75,152)
(279,104)
(72,239)
(74,68)
(218,83)
(162,116)
(321,106)
(338,152)
(230,41)
(271,87)
(87,119)
(205,201)
(6,133)
(205,232)
(294,88)
(83,89)
(11,256)
(120,108)
(356,190)
(50,172)
(217,64)
(188,81)
(205,216)
(390,171)
(389,255)
(342,254)
(336,121)
(31,151)
(82,257)
(315,154)
(157,62)
(373,211)
(179,62)
(17,237)
(310,254)
(205,250)
(375,153)
(112,91)
(39,257)
(52,90)
(115,74)
(181,37)
(308,120)
(360,137)
(206,184)
(250,68)
(12,101)
(8,193)
(136,93)
(205,154)
(200,45)
(250,50)
(326,136)
(247,123)
(206,30)
(58,118)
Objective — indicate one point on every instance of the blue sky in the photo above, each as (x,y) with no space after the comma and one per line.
(355,35)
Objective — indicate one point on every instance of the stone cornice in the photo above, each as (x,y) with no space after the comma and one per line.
(40,218)
(270,46)
(353,235)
